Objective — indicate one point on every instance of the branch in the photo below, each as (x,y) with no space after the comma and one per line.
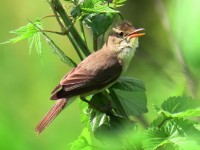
(73,34)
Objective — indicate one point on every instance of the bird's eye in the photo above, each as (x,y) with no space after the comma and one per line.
(121,34)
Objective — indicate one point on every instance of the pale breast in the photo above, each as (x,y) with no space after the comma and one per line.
(125,56)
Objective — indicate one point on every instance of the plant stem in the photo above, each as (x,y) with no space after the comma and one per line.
(55,32)
(73,34)
(48,16)
(164,120)
(95,42)
(63,29)
(102,39)
(83,32)
(56,49)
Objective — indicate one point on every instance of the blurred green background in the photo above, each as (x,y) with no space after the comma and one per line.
(168,61)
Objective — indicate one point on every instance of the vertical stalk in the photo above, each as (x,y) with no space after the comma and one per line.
(102,39)
(83,33)
(95,42)
(73,34)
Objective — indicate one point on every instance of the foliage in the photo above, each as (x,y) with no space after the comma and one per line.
(175,131)
(29,32)
(111,120)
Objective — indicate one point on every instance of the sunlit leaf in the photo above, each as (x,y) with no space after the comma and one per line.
(175,132)
(96,6)
(83,142)
(180,107)
(117,3)
(84,115)
(57,50)
(29,32)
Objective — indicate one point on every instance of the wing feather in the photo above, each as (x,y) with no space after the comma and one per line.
(90,75)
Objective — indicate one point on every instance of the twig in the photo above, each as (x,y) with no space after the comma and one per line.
(56,15)
(55,32)
(48,16)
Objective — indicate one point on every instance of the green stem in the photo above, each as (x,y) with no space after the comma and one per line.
(102,39)
(95,42)
(83,32)
(73,35)
(164,120)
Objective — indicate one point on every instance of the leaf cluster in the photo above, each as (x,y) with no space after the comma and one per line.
(97,15)
(171,130)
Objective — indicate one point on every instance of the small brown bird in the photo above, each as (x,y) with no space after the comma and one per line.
(97,72)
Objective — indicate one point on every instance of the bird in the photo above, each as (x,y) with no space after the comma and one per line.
(96,72)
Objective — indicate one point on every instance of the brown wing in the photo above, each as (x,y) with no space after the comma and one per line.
(94,73)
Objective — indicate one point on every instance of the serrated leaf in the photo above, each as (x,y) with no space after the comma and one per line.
(180,107)
(57,50)
(83,142)
(29,32)
(129,84)
(185,127)
(103,124)
(176,131)
(134,103)
(98,23)
(84,115)
(155,137)
(117,3)
(96,6)
(129,96)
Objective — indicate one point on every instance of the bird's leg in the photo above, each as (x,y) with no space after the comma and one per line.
(107,109)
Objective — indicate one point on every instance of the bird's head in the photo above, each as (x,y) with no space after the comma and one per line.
(124,35)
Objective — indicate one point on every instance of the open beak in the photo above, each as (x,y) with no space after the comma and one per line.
(136,34)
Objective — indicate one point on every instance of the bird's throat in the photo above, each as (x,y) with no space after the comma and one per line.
(126,53)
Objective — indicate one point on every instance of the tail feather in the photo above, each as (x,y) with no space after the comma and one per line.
(51,115)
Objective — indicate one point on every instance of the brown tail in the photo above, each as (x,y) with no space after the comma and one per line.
(51,115)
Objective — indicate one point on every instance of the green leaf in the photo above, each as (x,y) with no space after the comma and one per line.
(180,107)
(117,3)
(57,50)
(30,32)
(103,124)
(83,142)
(84,115)
(129,96)
(134,103)
(98,23)
(175,132)
(129,84)
(75,12)
(96,6)
(155,137)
